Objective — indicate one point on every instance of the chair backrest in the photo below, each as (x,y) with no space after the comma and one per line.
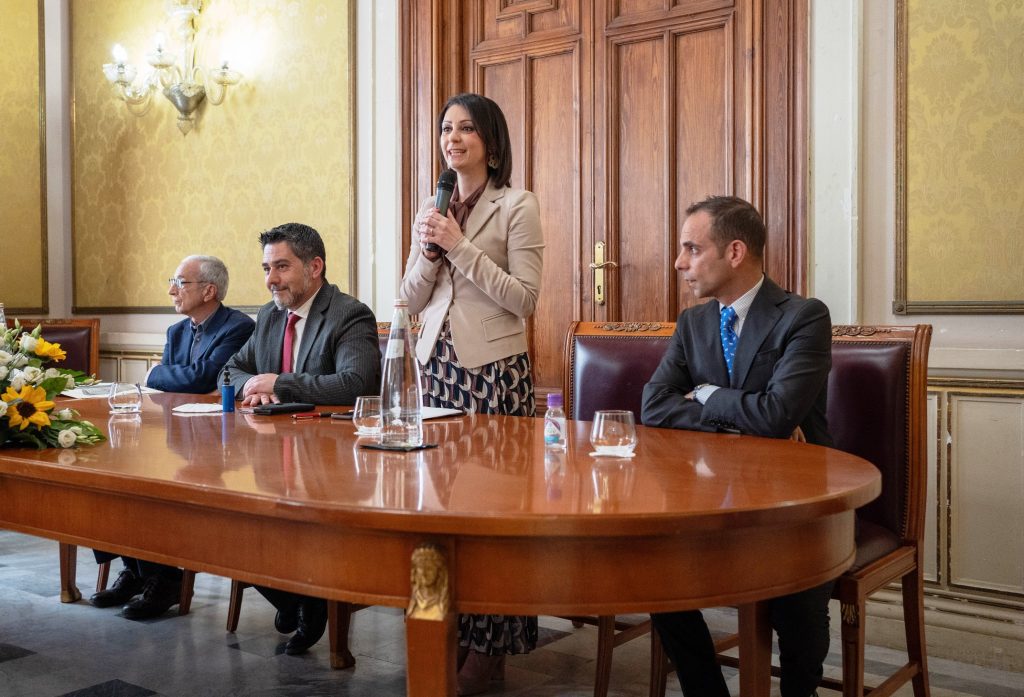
(80,339)
(877,392)
(607,364)
(876,399)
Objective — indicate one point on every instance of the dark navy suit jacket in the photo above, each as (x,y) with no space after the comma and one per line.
(780,371)
(226,331)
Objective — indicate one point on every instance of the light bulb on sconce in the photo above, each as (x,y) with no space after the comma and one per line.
(184,84)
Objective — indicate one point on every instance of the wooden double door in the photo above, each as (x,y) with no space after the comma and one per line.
(622,113)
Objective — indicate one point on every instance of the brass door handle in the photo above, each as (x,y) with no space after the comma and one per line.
(598,266)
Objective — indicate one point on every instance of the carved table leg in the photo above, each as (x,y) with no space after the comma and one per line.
(430,627)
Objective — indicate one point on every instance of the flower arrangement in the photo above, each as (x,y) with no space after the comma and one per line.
(27,390)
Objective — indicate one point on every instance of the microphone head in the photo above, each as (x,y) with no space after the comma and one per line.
(446,180)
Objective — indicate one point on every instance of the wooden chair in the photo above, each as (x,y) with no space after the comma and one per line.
(876,410)
(80,339)
(607,365)
(339,619)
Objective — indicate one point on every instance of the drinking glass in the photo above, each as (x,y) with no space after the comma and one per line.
(125,398)
(366,416)
(613,434)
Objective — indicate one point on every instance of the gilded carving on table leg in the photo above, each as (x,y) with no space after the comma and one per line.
(849,613)
(429,576)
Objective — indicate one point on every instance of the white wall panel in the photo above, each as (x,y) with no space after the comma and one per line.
(987,492)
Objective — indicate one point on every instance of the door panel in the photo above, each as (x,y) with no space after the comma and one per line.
(638,158)
(622,113)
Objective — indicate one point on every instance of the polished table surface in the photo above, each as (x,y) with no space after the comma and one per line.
(693,520)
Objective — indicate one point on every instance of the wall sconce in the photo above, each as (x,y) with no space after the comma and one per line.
(185,84)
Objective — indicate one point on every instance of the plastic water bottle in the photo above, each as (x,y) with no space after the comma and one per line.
(227,393)
(554,422)
(401,397)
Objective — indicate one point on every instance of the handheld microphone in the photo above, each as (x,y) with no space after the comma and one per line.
(445,188)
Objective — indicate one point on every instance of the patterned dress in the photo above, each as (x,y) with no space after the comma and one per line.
(505,387)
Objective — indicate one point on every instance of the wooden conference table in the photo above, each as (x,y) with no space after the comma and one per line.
(693,520)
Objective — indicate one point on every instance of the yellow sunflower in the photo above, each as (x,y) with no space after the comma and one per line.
(48,350)
(28,406)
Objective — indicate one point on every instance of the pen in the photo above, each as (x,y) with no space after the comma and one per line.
(314,415)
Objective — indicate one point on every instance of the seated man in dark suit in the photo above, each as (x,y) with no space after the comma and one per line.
(197,348)
(313,343)
(754,361)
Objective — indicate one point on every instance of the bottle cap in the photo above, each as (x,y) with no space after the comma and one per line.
(555,399)
(401,302)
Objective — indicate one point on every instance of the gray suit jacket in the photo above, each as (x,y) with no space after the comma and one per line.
(780,370)
(339,357)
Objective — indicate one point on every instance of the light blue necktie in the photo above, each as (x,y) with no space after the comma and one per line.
(729,337)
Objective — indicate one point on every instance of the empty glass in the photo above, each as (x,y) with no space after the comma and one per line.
(613,434)
(366,416)
(125,398)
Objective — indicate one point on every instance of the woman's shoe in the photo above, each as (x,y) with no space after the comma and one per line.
(477,673)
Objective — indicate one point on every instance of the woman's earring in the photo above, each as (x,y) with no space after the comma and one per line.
(492,162)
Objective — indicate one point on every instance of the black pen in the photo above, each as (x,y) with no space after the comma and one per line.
(314,415)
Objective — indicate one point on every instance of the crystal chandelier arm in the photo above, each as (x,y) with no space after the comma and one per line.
(219,80)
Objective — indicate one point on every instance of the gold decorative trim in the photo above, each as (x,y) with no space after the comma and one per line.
(385,327)
(858,330)
(429,597)
(632,326)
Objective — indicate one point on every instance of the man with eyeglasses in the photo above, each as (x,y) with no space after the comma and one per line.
(196,350)
(198,347)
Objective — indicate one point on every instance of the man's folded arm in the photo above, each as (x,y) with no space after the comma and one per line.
(200,376)
(665,402)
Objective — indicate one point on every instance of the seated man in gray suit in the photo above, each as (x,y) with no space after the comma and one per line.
(313,343)
(755,360)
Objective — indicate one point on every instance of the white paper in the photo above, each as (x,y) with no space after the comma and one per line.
(439,413)
(198,408)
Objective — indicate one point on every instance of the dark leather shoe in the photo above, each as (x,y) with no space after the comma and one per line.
(124,589)
(158,596)
(286,620)
(312,623)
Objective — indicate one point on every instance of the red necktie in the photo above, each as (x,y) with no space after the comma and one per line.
(289,341)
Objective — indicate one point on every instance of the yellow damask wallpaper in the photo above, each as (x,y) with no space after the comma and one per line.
(22,198)
(277,150)
(965,151)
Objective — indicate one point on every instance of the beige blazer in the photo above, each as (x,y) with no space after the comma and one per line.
(491,283)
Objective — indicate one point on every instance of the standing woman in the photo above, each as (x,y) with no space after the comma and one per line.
(473,292)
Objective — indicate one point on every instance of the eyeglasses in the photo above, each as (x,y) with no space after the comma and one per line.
(180,282)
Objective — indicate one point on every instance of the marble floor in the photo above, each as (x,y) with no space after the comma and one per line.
(48,649)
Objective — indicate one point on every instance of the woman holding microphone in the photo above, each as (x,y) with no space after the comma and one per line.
(473,277)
